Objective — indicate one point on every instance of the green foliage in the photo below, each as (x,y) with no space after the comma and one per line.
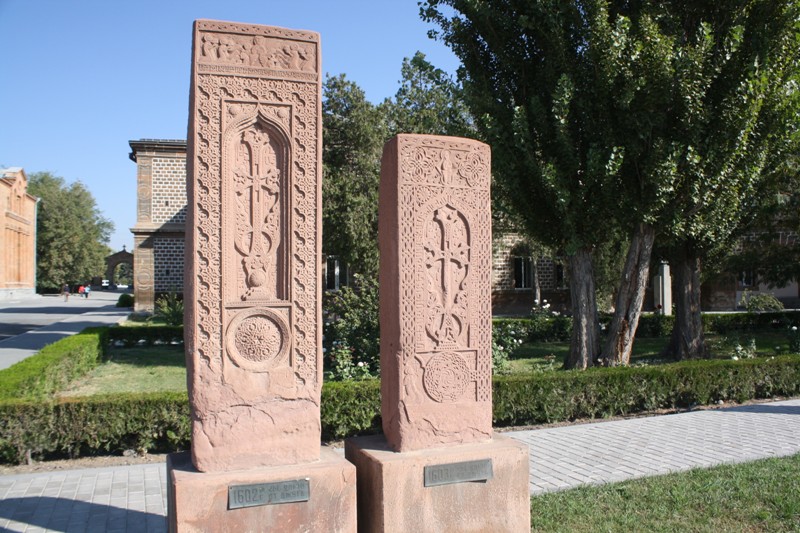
(762,301)
(161,421)
(352,325)
(678,111)
(71,233)
(157,422)
(354,132)
(125,300)
(170,307)
(428,101)
(559,396)
(350,408)
(145,336)
(742,322)
(341,365)
(54,366)
(124,274)
(794,339)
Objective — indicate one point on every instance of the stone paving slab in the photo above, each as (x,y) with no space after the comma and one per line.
(569,456)
(133,498)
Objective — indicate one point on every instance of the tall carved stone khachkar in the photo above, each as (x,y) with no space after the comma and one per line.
(252,292)
(438,466)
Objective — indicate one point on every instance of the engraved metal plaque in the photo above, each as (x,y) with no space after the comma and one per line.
(480,470)
(295,490)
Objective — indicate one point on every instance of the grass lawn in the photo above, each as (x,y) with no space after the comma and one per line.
(759,496)
(543,356)
(157,368)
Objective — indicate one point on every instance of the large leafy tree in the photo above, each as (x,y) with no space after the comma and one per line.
(354,131)
(667,105)
(733,143)
(72,234)
(428,101)
(542,104)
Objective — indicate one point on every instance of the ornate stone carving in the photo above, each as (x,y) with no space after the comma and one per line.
(231,49)
(253,247)
(435,239)
(258,340)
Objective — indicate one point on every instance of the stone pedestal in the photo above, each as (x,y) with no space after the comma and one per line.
(393,496)
(199,501)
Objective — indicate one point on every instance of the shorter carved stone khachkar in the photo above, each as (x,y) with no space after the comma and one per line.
(435,275)
(438,466)
(252,292)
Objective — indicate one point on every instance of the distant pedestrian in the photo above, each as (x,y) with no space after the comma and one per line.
(87,290)
(81,290)
(65,291)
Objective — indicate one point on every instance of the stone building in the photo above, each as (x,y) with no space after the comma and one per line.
(158,236)
(18,238)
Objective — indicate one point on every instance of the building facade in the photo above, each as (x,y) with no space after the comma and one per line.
(159,234)
(18,236)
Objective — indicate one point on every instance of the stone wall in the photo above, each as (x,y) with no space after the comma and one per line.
(17,235)
(159,232)
(169,190)
(168,264)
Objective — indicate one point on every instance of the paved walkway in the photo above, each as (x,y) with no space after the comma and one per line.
(26,326)
(133,498)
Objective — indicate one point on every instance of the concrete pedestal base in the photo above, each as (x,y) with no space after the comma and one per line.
(198,501)
(392,495)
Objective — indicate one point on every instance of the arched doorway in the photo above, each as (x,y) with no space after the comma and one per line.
(114,260)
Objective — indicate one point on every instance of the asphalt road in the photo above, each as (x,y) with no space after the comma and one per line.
(27,325)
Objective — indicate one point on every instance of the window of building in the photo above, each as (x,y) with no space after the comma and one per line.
(560,275)
(336,274)
(747,278)
(523,272)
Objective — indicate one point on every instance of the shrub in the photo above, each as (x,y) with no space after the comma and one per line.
(762,301)
(560,396)
(351,319)
(145,336)
(54,366)
(161,421)
(170,307)
(125,300)
(342,367)
(794,340)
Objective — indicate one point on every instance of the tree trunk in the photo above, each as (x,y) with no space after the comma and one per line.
(630,297)
(687,341)
(585,345)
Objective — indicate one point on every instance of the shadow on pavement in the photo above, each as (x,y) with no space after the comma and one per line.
(60,310)
(767,409)
(62,514)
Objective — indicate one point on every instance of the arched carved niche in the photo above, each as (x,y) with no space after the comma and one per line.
(256,158)
(446,253)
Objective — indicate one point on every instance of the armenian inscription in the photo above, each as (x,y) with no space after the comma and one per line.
(253,246)
(446,474)
(296,490)
(435,239)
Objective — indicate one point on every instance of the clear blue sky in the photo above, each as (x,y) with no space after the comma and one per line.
(82,78)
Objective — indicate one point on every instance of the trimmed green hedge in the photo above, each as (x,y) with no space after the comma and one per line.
(161,422)
(145,335)
(54,366)
(604,392)
(550,329)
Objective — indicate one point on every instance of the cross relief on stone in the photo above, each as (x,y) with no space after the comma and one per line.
(449,249)
(259,177)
